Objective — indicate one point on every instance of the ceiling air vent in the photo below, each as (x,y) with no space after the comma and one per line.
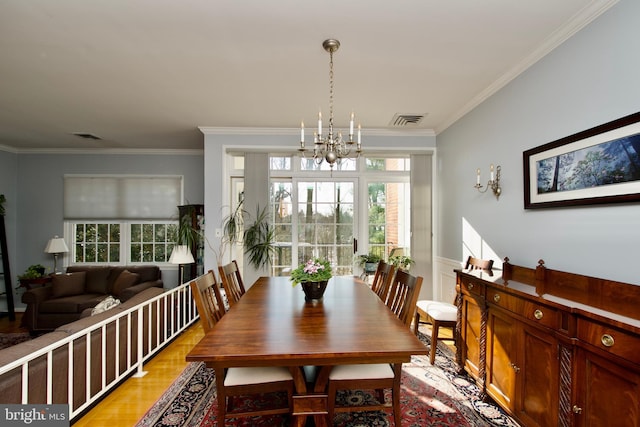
(87,135)
(404,120)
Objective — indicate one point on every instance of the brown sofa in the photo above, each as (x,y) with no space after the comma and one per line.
(11,381)
(70,296)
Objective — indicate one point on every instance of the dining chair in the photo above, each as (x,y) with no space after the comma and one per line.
(378,376)
(442,314)
(238,381)
(403,295)
(382,280)
(232,281)
(206,294)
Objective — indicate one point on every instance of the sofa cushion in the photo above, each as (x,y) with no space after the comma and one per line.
(68,284)
(96,281)
(124,280)
(71,304)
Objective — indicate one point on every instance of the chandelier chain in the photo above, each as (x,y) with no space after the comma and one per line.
(331,91)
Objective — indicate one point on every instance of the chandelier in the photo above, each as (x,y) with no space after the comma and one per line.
(330,147)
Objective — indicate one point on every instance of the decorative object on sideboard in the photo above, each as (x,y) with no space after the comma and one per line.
(181,255)
(493,183)
(56,246)
(331,147)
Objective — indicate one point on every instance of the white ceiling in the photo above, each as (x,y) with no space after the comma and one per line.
(147,73)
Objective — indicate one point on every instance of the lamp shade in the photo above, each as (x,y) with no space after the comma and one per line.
(56,245)
(181,255)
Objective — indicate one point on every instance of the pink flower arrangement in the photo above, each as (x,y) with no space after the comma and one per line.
(314,270)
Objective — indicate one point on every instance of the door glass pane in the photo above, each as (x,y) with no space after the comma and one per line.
(326,223)
(389,226)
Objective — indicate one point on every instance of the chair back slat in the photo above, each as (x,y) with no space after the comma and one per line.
(478,264)
(232,281)
(206,293)
(403,295)
(382,280)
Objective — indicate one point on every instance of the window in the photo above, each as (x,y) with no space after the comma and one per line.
(123,242)
(121,219)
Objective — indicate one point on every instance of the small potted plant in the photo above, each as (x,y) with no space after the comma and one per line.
(369,262)
(313,276)
(402,262)
(35,271)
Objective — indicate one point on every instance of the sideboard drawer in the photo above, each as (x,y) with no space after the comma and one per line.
(610,339)
(541,314)
(471,287)
(505,300)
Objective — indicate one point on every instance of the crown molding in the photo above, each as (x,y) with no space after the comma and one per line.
(210,130)
(122,151)
(562,34)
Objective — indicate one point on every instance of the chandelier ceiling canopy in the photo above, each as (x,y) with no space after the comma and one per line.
(331,147)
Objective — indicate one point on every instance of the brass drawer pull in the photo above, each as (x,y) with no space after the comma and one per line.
(538,314)
(496,297)
(607,340)
(470,286)
(576,409)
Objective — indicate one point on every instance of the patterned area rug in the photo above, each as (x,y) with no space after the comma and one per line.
(430,396)
(9,339)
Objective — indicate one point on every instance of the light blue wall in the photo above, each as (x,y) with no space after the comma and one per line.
(38,184)
(590,79)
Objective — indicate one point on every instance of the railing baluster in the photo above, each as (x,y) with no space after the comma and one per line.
(178,315)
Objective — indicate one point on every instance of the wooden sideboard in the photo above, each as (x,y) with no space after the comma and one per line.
(552,348)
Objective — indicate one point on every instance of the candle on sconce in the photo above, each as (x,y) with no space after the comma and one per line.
(315,138)
(320,123)
(358,136)
(491,168)
(301,134)
(478,177)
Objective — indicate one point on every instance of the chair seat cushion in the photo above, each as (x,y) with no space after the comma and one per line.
(257,375)
(443,312)
(366,371)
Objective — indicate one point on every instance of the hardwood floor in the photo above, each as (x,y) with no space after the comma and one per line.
(130,401)
(7,326)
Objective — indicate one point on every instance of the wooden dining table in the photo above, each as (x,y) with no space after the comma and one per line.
(273,325)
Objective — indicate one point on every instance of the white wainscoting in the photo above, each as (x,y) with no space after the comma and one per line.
(444,287)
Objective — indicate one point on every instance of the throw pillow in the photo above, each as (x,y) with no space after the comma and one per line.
(105,304)
(66,285)
(124,280)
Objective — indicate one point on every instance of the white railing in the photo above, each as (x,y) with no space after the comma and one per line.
(165,316)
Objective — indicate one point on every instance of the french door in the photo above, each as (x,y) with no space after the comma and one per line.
(314,218)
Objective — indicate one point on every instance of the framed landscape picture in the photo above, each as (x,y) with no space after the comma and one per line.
(598,165)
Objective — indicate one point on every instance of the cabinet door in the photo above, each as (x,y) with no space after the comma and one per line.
(502,345)
(537,377)
(471,336)
(607,393)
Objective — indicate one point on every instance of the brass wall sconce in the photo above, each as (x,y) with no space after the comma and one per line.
(494,184)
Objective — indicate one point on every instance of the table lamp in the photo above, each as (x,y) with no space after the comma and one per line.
(56,246)
(181,255)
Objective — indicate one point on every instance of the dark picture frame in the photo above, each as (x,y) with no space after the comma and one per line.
(598,165)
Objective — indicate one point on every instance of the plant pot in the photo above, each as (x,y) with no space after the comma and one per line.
(370,267)
(313,291)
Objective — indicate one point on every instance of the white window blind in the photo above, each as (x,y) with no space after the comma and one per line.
(122,197)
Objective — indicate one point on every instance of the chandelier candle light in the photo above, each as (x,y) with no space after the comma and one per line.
(331,147)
